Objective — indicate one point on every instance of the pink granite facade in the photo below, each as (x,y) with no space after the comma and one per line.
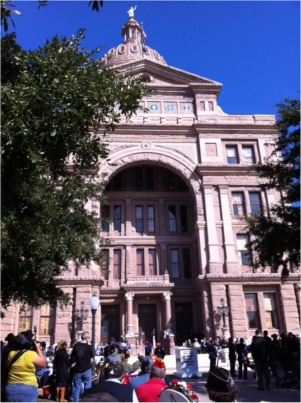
(180,179)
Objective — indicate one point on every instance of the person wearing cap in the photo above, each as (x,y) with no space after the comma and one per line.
(125,355)
(144,374)
(150,390)
(112,389)
(61,365)
(220,385)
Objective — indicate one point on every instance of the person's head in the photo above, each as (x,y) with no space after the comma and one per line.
(146,365)
(85,336)
(10,338)
(158,369)
(125,354)
(220,386)
(241,340)
(113,370)
(265,333)
(23,341)
(258,332)
(62,345)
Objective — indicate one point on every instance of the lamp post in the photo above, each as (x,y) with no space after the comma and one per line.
(94,302)
(81,315)
(223,310)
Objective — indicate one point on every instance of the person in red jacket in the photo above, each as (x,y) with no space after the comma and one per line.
(150,390)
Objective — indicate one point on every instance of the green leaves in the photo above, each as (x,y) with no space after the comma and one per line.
(55,108)
(277,236)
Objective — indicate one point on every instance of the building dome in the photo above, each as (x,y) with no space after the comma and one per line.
(132,49)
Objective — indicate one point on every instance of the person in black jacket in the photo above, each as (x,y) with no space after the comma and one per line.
(242,353)
(112,389)
(232,356)
(61,370)
(159,350)
(259,351)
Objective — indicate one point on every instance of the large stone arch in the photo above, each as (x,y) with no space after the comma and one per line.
(145,152)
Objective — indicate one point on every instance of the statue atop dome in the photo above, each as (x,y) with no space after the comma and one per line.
(131,11)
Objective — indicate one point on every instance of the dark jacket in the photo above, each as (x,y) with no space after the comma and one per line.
(82,354)
(259,349)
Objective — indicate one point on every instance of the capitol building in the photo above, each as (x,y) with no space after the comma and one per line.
(180,180)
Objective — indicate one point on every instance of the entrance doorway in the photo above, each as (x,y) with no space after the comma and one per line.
(147,321)
(110,323)
(184,323)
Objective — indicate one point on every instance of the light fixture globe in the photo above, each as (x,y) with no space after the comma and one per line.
(94,302)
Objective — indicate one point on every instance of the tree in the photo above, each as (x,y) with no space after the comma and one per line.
(276,237)
(8,10)
(54,101)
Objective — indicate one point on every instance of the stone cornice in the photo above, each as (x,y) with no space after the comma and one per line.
(222,170)
(245,126)
(251,279)
(75,280)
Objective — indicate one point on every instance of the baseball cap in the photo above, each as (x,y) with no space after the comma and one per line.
(219,380)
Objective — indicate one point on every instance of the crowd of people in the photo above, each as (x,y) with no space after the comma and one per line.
(66,375)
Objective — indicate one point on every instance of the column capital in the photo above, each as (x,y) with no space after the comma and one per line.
(129,296)
(167,295)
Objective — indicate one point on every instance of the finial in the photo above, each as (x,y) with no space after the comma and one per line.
(131,11)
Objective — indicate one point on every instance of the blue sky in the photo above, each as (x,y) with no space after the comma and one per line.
(251,47)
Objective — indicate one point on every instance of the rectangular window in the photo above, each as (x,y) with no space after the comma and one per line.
(175,272)
(232,157)
(150,218)
(255,203)
(252,311)
(187,263)
(270,311)
(244,253)
(46,313)
(150,184)
(140,262)
(105,216)
(248,155)
(152,262)
(104,265)
(172,218)
(117,218)
(117,264)
(25,318)
(139,219)
(238,204)
(184,218)
(138,172)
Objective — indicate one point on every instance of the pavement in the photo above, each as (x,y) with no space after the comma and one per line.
(247,389)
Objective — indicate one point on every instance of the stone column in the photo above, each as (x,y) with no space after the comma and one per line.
(231,257)
(215,264)
(168,320)
(129,296)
